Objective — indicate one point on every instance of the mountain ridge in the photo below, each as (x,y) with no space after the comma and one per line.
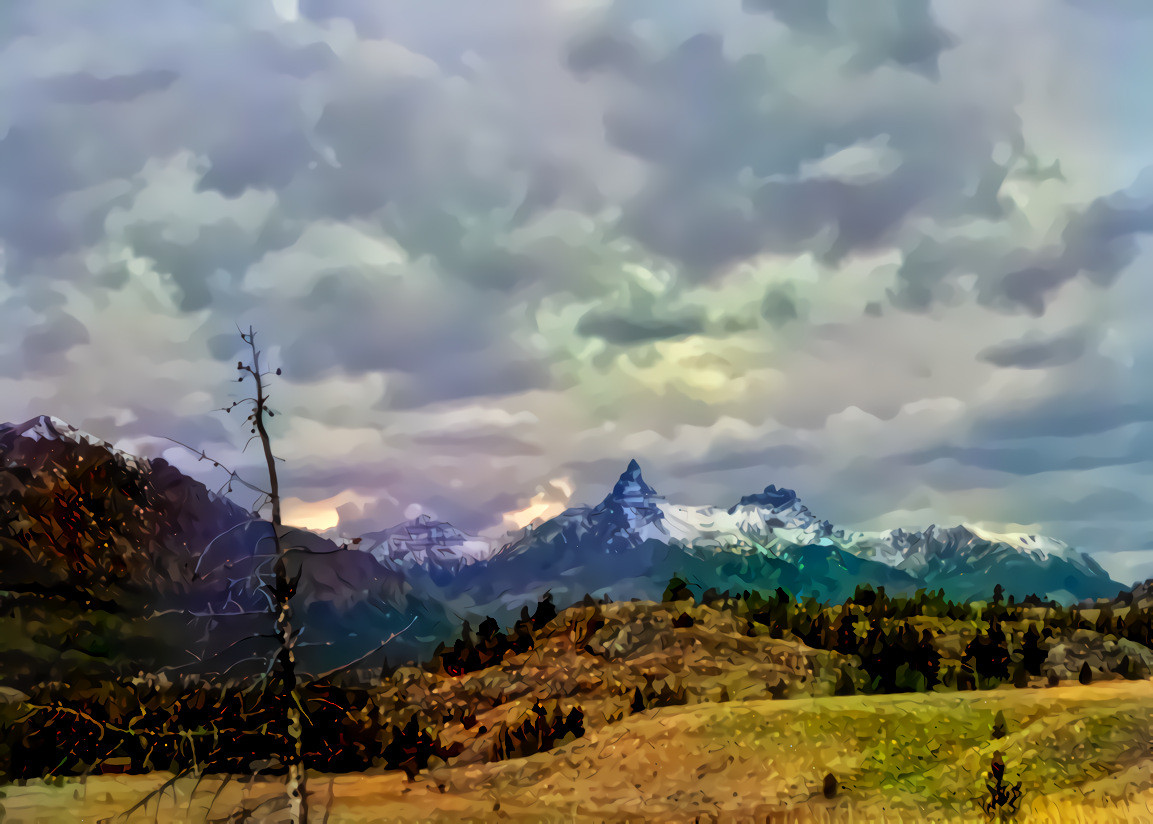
(774,527)
(146,527)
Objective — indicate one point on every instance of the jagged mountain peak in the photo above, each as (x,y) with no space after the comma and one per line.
(771,497)
(775,530)
(631,484)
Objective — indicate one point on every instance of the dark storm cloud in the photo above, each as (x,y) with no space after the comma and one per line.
(863,215)
(703,119)
(627,330)
(1097,243)
(1035,354)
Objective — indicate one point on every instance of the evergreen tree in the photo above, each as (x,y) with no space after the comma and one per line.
(1086,674)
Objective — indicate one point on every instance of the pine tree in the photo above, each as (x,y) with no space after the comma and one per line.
(999,727)
(1086,674)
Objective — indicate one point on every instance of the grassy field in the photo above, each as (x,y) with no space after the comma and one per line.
(1082,753)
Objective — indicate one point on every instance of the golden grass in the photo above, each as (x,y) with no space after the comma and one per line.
(1081,753)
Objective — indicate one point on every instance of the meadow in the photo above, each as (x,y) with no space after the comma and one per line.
(1081,753)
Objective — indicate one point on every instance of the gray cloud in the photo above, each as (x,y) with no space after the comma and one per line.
(626,331)
(369,19)
(1035,354)
(1076,415)
(803,15)
(53,336)
(781,456)
(779,307)
(1018,461)
(706,120)
(499,445)
(83,87)
(602,230)
(1097,243)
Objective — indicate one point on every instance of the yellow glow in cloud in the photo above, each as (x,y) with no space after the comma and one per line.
(692,366)
(546,504)
(318,515)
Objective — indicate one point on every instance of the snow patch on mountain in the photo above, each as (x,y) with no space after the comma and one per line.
(48,428)
(775,524)
(425,542)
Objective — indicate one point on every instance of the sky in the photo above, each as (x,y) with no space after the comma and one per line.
(893,254)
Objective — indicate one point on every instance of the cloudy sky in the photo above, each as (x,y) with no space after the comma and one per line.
(892,253)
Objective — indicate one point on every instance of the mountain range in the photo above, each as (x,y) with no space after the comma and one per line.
(633,541)
(110,560)
(81,520)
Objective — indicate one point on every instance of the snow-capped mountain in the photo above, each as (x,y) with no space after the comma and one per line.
(45,430)
(636,538)
(634,513)
(425,542)
(628,516)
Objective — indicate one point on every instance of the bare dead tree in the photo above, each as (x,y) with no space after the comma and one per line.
(279,592)
(283,588)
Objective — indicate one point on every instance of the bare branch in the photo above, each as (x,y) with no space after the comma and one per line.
(159,790)
(371,652)
(235,643)
(203,554)
(216,797)
(204,457)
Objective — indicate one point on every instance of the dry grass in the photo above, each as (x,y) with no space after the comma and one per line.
(1081,753)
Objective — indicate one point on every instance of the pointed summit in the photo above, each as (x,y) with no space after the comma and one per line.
(631,485)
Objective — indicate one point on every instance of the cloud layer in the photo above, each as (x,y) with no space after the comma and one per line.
(890,253)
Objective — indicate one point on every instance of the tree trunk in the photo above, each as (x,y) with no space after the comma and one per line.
(296,781)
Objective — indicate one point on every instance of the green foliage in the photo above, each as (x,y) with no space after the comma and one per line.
(677,590)
(925,641)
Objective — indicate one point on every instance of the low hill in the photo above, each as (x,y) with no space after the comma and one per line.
(112,564)
(1079,753)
